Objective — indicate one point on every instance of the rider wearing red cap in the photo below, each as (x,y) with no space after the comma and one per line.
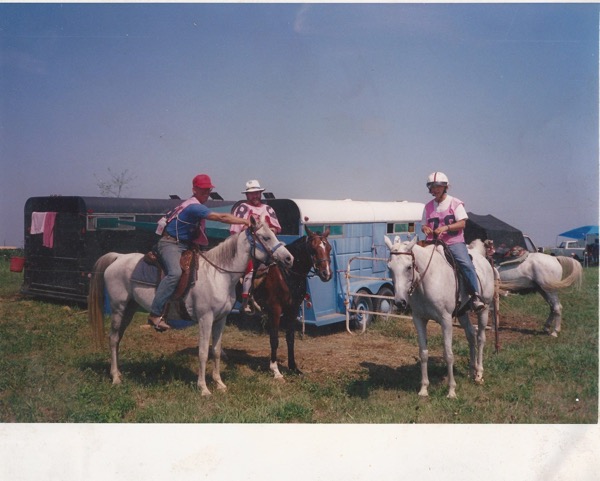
(184,229)
(445,218)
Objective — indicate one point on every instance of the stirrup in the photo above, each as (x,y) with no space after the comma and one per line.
(477,304)
(160,326)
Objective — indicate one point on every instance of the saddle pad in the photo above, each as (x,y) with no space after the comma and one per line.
(145,273)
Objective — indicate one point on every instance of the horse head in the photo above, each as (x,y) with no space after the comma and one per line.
(403,269)
(320,252)
(265,245)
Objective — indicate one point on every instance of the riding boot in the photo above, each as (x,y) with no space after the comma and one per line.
(158,323)
(476,303)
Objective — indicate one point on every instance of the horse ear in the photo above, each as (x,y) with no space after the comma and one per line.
(252,222)
(326,233)
(307,230)
(263,219)
(388,242)
(412,243)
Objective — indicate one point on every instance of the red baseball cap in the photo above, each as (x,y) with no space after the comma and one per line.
(202,181)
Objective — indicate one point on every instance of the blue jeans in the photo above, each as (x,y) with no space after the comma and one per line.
(461,255)
(170,252)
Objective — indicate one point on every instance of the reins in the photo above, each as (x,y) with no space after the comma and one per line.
(414,283)
(314,262)
(253,240)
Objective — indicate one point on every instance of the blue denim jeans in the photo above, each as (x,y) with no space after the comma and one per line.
(461,255)
(170,254)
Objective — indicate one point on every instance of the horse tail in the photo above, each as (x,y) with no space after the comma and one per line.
(572,274)
(96,297)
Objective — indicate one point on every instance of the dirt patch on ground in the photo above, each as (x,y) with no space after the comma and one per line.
(331,351)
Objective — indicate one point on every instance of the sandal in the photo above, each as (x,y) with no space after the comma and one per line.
(158,324)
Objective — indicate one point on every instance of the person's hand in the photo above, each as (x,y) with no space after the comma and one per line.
(427,230)
(440,230)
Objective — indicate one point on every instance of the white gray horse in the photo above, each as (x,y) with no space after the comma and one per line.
(425,280)
(544,274)
(208,302)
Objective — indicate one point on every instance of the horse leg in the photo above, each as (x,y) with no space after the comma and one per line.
(290,335)
(449,355)
(555,317)
(120,319)
(482,320)
(470,335)
(205,327)
(421,327)
(217,337)
(274,319)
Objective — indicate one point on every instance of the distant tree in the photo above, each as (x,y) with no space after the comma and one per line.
(116,185)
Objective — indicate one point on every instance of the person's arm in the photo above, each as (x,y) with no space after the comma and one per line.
(227,218)
(456,226)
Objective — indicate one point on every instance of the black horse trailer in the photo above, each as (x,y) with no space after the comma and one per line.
(64,236)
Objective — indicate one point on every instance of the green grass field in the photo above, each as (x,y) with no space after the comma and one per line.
(50,372)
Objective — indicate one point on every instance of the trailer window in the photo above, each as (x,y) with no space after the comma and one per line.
(334,230)
(119,222)
(401,228)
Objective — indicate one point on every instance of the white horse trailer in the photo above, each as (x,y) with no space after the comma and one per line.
(358,255)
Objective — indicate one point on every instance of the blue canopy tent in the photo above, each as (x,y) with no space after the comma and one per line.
(580,232)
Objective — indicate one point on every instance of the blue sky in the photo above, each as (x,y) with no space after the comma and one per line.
(327,101)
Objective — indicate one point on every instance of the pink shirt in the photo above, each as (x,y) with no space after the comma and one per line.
(447,212)
(244,211)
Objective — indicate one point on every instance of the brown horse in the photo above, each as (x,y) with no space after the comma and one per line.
(283,290)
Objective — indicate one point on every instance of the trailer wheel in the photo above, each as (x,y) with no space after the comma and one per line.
(385,306)
(362,304)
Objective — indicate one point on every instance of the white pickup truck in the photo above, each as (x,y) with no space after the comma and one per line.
(572,248)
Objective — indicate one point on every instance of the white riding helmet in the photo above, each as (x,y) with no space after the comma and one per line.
(437,178)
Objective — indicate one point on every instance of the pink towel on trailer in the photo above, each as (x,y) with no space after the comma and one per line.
(48,239)
(37,222)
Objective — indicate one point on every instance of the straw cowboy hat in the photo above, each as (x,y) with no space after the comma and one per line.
(253,186)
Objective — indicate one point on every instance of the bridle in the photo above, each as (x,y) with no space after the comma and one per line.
(255,243)
(316,261)
(415,281)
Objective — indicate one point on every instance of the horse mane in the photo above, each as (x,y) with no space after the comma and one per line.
(225,252)
(295,246)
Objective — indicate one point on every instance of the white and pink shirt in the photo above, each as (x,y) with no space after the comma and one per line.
(447,212)
(244,211)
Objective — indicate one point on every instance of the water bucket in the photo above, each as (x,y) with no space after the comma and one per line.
(16,264)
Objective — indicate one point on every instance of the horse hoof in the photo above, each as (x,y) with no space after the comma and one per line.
(554,334)
(451,395)
(206,393)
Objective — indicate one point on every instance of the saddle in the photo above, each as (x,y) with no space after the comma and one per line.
(514,255)
(461,282)
(189,267)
